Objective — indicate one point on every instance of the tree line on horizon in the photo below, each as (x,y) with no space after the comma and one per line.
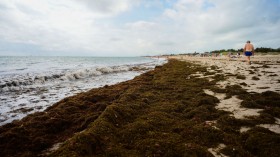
(259,49)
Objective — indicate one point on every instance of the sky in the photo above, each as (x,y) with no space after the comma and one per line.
(135,27)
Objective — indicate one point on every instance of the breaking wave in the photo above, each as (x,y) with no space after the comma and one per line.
(18,82)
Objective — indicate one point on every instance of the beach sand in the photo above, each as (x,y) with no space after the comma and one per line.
(262,75)
(194,107)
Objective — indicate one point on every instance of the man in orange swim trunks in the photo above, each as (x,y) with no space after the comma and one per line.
(248,50)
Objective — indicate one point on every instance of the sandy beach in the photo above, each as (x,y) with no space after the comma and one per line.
(190,106)
(262,75)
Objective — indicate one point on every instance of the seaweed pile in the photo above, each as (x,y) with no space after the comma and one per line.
(164,112)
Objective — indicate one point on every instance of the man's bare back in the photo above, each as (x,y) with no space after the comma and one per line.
(249,47)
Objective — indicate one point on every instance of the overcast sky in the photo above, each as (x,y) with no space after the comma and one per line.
(135,27)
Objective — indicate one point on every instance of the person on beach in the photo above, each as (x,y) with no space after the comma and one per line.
(248,51)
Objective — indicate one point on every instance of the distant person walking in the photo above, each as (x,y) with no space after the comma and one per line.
(248,51)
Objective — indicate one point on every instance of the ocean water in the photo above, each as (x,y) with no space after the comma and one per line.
(29,84)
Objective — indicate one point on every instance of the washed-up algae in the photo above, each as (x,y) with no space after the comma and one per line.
(164,112)
(157,116)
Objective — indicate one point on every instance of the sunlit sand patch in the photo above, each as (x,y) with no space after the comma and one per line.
(222,84)
(52,149)
(200,75)
(233,105)
(220,96)
(216,151)
(212,124)
(244,129)
(277,121)
(273,127)
(197,74)
(210,79)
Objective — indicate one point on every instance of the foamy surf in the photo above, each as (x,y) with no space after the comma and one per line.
(20,81)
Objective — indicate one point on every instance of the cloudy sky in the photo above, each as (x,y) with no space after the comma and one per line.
(135,27)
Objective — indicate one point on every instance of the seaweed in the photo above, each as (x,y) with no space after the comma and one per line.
(209,73)
(241,77)
(234,151)
(232,90)
(262,100)
(255,78)
(273,75)
(265,66)
(219,77)
(251,72)
(261,142)
(243,84)
(214,67)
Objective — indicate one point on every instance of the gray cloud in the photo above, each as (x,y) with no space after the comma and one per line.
(97,28)
(108,7)
(226,22)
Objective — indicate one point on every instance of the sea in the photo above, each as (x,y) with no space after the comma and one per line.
(30,84)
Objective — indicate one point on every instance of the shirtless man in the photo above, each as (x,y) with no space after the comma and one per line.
(248,51)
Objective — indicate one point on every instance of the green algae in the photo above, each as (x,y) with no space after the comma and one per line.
(265,66)
(243,84)
(214,67)
(273,75)
(261,142)
(241,77)
(232,90)
(209,73)
(255,78)
(251,72)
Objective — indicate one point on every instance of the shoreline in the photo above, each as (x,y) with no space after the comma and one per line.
(176,109)
(25,93)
